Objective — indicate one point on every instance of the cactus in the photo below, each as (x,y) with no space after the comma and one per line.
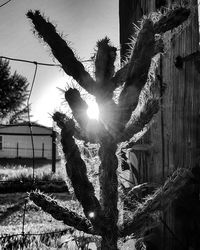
(119,121)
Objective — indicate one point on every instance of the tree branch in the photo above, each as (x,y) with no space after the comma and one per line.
(61,51)
(59,213)
(18,114)
(158,201)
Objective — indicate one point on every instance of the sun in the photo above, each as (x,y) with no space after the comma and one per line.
(93,110)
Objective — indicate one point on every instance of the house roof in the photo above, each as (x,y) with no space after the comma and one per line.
(33,124)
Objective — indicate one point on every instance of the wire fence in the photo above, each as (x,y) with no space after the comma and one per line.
(80,240)
(23,234)
(5,3)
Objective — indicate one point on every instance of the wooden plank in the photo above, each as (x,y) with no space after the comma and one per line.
(180,111)
(129,13)
(53,151)
(175,134)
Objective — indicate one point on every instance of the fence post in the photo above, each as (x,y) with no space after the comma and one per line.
(17,150)
(53,151)
(43,150)
(175,132)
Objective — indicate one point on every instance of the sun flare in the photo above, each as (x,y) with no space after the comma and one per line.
(93,110)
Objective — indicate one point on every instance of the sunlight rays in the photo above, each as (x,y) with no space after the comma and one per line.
(93,109)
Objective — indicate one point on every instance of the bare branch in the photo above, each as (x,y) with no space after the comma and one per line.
(61,51)
(60,213)
(138,71)
(158,201)
(171,20)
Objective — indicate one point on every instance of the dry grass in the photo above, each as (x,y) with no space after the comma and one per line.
(36,221)
(19,178)
(14,169)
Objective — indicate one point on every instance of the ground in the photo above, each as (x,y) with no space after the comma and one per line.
(12,204)
(36,221)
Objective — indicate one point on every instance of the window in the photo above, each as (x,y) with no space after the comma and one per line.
(1,142)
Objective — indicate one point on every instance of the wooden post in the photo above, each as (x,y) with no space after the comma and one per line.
(43,150)
(17,150)
(130,12)
(175,132)
(53,151)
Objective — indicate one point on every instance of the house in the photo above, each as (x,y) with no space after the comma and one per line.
(16,141)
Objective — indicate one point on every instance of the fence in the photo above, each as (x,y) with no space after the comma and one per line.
(21,238)
(15,142)
(23,235)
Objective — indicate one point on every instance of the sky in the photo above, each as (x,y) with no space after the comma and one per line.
(82,22)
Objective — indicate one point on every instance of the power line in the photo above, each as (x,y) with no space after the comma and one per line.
(5,3)
(38,63)
(22,234)
(28,61)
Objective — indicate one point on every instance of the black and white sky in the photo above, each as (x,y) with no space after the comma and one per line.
(82,22)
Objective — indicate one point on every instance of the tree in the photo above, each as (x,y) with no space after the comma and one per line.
(13,94)
(119,122)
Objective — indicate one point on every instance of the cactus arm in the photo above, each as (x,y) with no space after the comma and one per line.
(60,213)
(61,51)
